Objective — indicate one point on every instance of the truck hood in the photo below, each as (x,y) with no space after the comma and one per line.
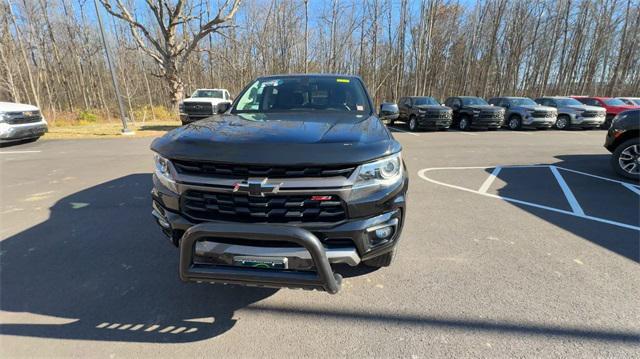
(212,100)
(581,108)
(280,139)
(618,109)
(535,108)
(14,107)
(433,107)
(485,107)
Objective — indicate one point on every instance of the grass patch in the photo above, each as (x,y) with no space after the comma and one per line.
(81,129)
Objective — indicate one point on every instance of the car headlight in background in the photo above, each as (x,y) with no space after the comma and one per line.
(163,172)
(476,112)
(372,176)
(3,117)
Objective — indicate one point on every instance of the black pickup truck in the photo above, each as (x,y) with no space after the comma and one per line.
(296,175)
(474,113)
(421,112)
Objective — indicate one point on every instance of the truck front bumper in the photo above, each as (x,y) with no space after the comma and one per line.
(9,132)
(537,122)
(210,250)
(323,278)
(187,118)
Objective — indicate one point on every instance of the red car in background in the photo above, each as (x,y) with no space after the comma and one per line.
(613,106)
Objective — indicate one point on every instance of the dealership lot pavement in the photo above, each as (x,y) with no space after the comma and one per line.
(516,244)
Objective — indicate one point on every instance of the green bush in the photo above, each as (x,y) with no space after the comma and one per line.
(87,117)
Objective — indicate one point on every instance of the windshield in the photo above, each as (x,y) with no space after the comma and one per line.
(614,102)
(467,101)
(522,102)
(418,101)
(568,102)
(208,93)
(304,93)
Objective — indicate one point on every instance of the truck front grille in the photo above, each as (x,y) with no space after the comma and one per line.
(590,114)
(438,115)
(490,115)
(209,206)
(198,108)
(542,114)
(244,171)
(19,118)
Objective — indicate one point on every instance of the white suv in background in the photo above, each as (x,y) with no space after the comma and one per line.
(204,103)
(20,122)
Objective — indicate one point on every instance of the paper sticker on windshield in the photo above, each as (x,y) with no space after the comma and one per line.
(273,83)
(359,108)
(346,81)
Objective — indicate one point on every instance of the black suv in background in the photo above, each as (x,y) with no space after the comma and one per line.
(296,175)
(474,112)
(623,141)
(420,112)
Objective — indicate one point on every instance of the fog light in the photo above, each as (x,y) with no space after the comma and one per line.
(163,222)
(384,232)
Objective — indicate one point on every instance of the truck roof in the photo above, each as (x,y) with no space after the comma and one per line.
(207,89)
(311,75)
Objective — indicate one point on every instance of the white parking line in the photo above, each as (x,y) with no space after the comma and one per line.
(422,174)
(573,202)
(487,183)
(599,177)
(465,133)
(17,152)
(632,188)
(397,129)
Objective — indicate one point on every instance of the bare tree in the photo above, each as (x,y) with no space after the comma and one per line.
(168,49)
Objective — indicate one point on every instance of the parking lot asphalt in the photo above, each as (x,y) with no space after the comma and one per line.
(516,244)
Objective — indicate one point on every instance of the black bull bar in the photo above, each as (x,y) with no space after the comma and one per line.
(323,279)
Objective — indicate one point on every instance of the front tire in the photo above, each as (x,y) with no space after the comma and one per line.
(562,123)
(626,159)
(464,124)
(413,124)
(515,123)
(384,260)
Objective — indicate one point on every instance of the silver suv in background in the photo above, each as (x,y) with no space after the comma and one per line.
(573,113)
(523,112)
(21,122)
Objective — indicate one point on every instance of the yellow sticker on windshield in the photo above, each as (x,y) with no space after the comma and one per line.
(346,81)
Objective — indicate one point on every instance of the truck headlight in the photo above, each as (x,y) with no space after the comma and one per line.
(163,172)
(181,107)
(381,173)
(3,117)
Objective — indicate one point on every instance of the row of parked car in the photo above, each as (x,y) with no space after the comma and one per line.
(469,112)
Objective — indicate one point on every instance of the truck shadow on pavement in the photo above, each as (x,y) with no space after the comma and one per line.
(100,261)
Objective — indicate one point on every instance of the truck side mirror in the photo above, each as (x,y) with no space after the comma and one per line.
(389,111)
(223,107)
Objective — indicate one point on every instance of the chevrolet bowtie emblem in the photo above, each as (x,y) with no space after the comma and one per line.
(256,187)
